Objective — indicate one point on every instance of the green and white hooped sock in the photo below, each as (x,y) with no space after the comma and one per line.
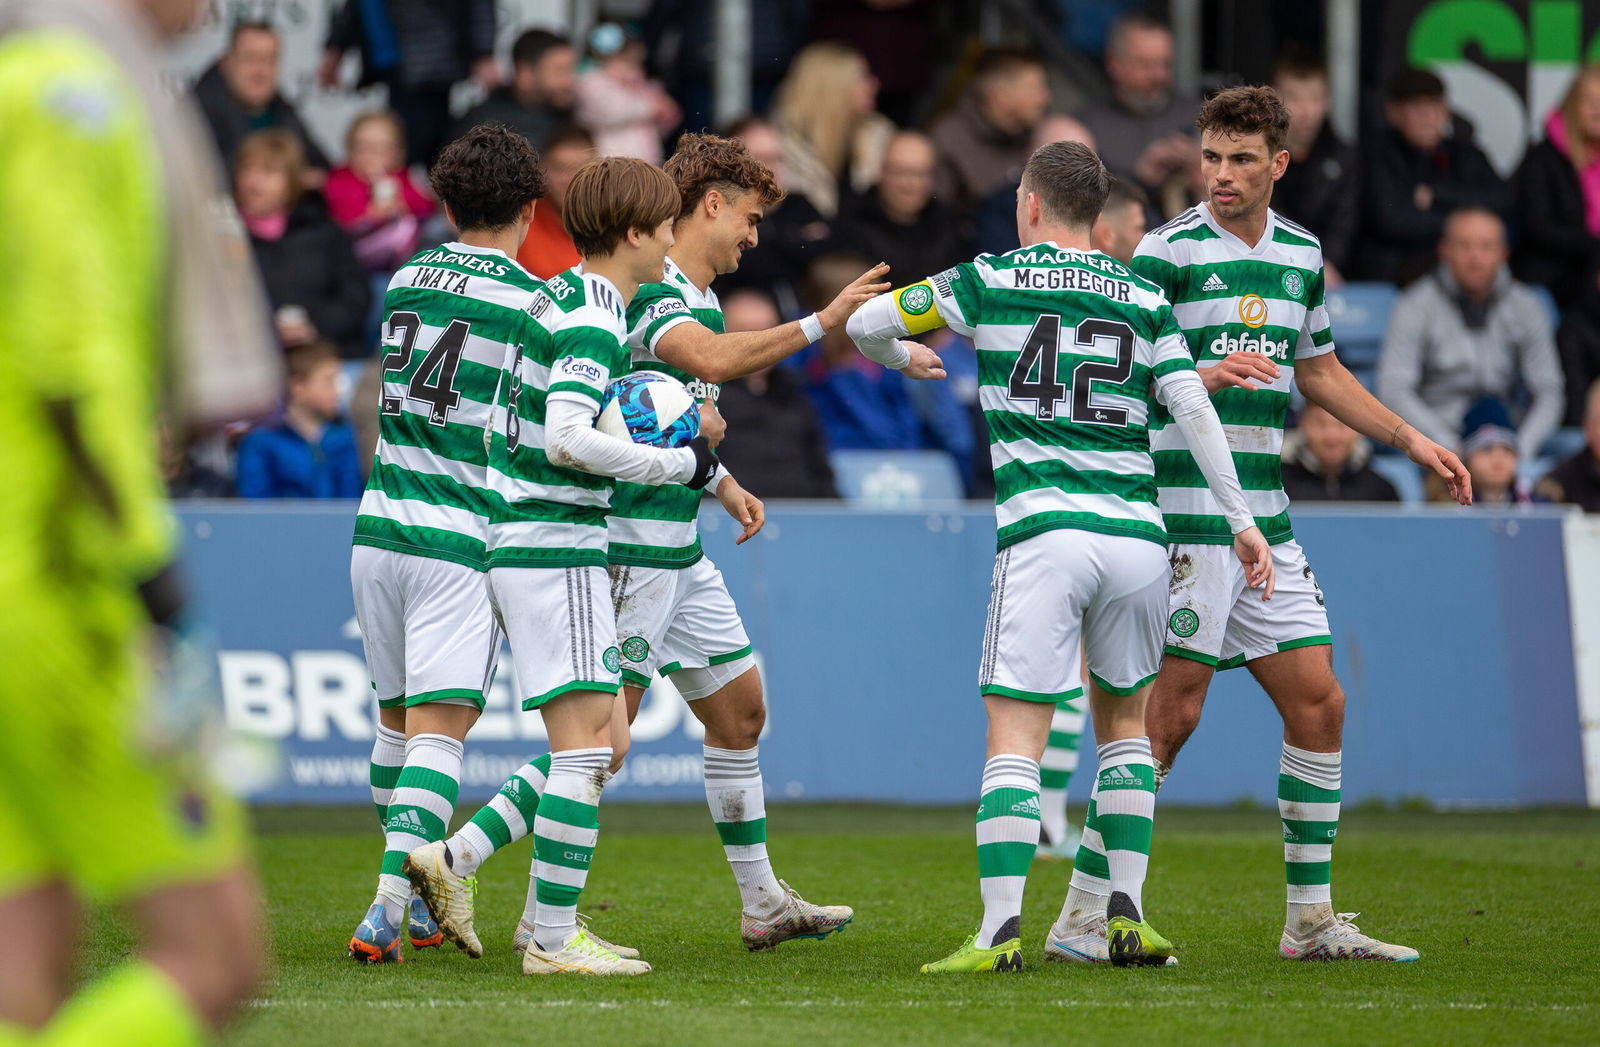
(1008,835)
(565,832)
(388,756)
(738,806)
(1091,873)
(419,811)
(1308,803)
(504,820)
(1057,766)
(1125,805)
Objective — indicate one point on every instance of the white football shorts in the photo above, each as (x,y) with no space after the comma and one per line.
(562,631)
(1056,588)
(427,626)
(679,622)
(1212,617)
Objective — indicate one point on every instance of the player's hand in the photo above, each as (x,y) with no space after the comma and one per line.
(857,293)
(925,364)
(1440,460)
(1251,547)
(712,425)
(743,506)
(1239,369)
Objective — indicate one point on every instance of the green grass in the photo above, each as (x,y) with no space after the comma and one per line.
(1502,907)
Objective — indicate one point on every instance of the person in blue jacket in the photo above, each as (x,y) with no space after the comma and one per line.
(308,450)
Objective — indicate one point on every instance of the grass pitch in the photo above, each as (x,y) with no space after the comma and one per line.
(1501,906)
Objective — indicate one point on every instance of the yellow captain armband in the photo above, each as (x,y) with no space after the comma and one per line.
(915,302)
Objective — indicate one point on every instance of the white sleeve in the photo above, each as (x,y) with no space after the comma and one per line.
(1185,396)
(575,443)
(875,327)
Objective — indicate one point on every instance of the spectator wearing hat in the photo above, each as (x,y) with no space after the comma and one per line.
(1422,167)
(1489,451)
(1469,331)
(1325,460)
(1576,480)
(308,450)
(618,102)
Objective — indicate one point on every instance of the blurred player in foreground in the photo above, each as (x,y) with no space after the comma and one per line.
(1075,352)
(126,302)
(1247,287)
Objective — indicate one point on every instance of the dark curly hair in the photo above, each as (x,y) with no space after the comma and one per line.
(703,162)
(1247,110)
(487,176)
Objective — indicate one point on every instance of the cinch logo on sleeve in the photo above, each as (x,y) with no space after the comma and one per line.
(666,307)
(572,367)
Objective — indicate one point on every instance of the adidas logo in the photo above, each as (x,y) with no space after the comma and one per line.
(1213,283)
(1120,777)
(406,819)
(1028,806)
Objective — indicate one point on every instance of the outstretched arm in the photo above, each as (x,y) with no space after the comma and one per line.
(718,358)
(1329,384)
(877,328)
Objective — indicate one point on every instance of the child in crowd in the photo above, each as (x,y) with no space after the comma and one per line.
(373,196)
(308,450)
(627,111)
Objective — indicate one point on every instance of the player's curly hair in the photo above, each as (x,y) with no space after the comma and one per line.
(1247,110)
(703,162)
(487,176)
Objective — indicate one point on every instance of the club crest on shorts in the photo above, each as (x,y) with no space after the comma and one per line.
(1184,622)
(636,648)
(612,659)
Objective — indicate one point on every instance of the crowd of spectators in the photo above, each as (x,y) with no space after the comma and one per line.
(888,155)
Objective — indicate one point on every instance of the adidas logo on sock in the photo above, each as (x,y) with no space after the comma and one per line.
(1120,776)
(1028,806)
(1213,283)
(406,819)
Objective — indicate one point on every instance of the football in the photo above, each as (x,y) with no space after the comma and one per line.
(649,407)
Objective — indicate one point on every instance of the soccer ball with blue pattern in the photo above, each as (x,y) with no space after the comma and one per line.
(649,407)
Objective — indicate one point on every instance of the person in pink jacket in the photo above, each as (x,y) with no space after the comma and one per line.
(625,110)
(373,197)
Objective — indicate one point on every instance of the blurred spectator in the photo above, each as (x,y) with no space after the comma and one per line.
(374,198)
(984,141)
(1325,460)
(1415,175)
(833,138)
(1576,480)
(307,451)
(548,249)
(900,222)
(1578,341)
(541,95)
(626,110)
(682,35)
(420,49)
(1469,331)
(1489,451)
(775,445)
(866,406)
(1146,131)
(1321,188)
(1558,196)
(239,94)
(995,222)
(1122,222)
(314,284)
(792,235)
(897,39)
